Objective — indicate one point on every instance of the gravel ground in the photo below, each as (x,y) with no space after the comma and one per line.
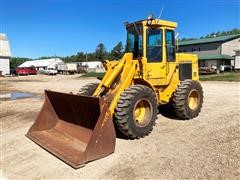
(206,147)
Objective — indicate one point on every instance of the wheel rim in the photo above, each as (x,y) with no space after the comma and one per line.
(193,99)
(142,112)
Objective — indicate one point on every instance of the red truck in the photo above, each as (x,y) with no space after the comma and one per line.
(26,71)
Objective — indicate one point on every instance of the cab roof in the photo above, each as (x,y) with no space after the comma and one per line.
(156,22)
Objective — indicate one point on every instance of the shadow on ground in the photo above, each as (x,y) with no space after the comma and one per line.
(167,111)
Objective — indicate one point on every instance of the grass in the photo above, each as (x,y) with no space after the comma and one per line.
(228,76)
(93,74)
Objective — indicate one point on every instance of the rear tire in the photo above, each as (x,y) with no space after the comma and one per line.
(136,111)
(88,89)
(188,99)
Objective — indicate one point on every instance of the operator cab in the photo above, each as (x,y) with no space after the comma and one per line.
(151,38)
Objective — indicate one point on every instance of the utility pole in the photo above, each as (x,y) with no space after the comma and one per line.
(86,62)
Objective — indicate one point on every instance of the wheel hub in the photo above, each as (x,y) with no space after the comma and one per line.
(193,99)
(142,112)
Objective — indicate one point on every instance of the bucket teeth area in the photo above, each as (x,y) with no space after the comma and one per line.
(70,130)
(60,144)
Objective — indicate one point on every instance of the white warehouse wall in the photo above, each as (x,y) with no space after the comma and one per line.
(237,60)
(229,46)
(4,66)
(5,54)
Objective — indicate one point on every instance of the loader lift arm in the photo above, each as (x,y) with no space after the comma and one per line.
(116,79)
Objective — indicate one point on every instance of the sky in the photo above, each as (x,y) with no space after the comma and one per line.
(38,28)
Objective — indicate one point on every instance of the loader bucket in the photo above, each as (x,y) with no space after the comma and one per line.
(76,129)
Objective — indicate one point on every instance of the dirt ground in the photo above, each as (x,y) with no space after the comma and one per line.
(206,147)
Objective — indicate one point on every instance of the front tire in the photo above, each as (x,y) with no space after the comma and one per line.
(188,99)
(136,111)
(88,89)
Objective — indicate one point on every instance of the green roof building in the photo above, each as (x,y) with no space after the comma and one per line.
(213,51)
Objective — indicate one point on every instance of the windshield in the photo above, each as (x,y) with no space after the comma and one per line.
(134,40)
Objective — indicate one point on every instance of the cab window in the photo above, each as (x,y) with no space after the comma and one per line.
(154,45)
(134,41)
(170,45)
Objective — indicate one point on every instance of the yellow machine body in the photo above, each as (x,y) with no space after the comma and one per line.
(78,128)
(162,77)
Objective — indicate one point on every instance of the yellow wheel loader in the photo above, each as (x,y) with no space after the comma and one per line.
(78,128)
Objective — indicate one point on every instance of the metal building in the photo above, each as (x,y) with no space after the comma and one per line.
(213,51)
(5,54)
(42,64)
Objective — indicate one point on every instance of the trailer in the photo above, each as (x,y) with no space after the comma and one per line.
(67,68)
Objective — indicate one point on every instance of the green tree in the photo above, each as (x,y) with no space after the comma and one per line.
(91,57)
(212,34)
(100,52)
(235,31)
(217,33)
(16,61)
(117,51)
(81,56)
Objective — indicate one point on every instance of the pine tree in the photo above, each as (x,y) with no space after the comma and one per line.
(117,51)
(100,52)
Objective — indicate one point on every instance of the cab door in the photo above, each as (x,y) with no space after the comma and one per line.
(154,53)
(170,50)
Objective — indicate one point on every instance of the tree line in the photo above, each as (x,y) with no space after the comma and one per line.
(234,31)
(100,54)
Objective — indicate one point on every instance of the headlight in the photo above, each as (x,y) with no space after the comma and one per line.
(149,19)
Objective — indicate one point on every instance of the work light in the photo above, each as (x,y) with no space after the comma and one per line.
(149,19)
